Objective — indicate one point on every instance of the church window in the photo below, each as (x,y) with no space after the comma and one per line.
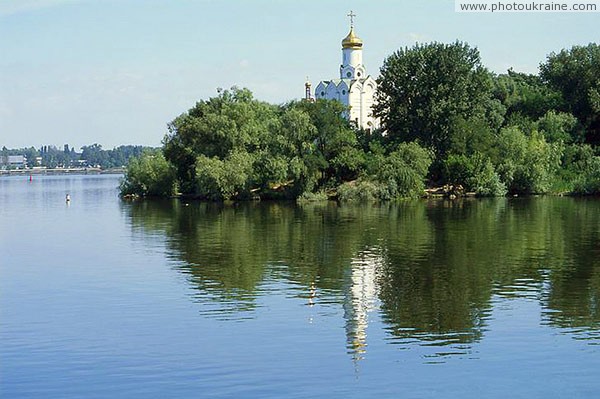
(358,74)
(349,74)
(322,94)
(344,92)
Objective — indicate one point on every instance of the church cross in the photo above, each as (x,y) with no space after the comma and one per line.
(351,15)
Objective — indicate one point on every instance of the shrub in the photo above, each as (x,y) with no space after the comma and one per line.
(486,182)
(589,181)
(402,173)
(149,175)
(475,173)
(458,169)
(527,164)
(313,197)
(358,191)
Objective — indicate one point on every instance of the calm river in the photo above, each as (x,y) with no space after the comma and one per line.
(101,298)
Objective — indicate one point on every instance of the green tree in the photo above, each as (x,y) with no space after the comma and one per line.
(336,141)
(94,155)
(224,179)
(30,153)
(230,122)
(473,135)
(575,73)
(423,89)
(525,95)
(295,144)
(559,126)
(120,156)
(580,171)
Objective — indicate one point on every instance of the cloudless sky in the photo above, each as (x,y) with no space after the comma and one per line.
(116,72)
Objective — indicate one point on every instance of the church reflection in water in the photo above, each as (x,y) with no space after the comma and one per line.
(424,273)
(361,300)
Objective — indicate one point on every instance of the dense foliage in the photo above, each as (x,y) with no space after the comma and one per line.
(235,147)
(149,175)
(446,120)
(425,89)
(575,74)
(515,133)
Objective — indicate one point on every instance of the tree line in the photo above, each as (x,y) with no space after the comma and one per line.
(446,120)
(90,156)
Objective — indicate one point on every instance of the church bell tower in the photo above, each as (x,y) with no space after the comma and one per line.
(352,65)
(354,88)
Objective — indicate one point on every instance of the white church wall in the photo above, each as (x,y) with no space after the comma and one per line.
(356,90)
(351,57)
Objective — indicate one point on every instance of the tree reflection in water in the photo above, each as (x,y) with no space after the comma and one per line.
(430,270)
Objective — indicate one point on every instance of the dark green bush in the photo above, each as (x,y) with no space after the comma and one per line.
(589,181)
(475,174)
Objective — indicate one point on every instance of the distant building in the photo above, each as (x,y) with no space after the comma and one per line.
(354,88)
(13,161)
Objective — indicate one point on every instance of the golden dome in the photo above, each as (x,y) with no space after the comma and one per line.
(352,41)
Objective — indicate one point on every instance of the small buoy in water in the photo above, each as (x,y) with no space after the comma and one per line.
(68,198)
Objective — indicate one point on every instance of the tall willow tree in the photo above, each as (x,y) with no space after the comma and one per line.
(216,132)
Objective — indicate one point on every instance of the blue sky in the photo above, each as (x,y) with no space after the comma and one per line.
(116,72)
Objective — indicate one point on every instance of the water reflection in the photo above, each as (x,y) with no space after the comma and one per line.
(431,272)
(361,299)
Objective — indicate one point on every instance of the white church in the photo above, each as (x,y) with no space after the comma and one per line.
(355,88)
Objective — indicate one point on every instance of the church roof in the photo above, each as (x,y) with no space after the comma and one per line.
(349,82)
(352,41)
(337,82)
